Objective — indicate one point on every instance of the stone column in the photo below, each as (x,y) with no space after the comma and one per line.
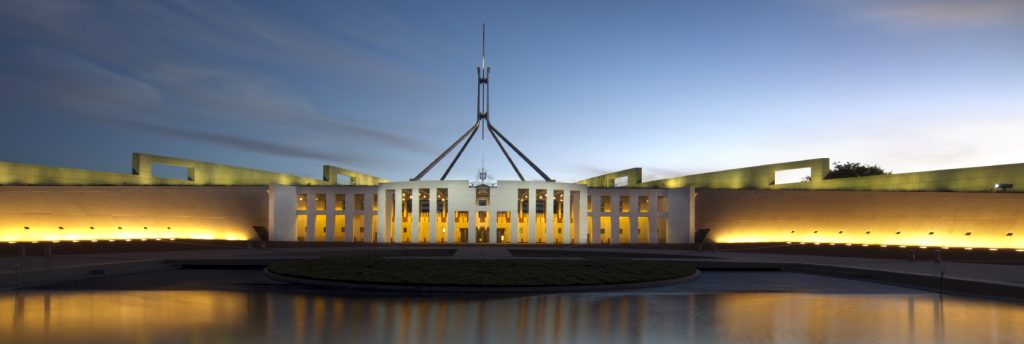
(414,214)
(382,212)
(549,217)
(614,231)
(432,194)
(492,223)
(350,204)
(471,231)
(634,222)
(531,230)
(311,217)
(450,225)
(396,232)
(329,217)
(595,223)
(513,230)
(566,214)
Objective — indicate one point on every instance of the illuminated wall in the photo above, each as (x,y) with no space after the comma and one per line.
(756,177)
(932,219)
(199,173)
(83,213)
(971,179)
(633,177)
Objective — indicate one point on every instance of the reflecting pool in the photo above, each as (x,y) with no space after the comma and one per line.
(655,315)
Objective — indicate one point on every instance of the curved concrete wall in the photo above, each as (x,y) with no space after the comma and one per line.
(935,219)
(141,212)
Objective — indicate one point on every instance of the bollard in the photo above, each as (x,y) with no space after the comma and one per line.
(48,250)
(913,255)
(938,256)
(21,250)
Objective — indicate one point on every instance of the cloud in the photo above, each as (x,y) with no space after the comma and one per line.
(955,13)
(75,87)
(243,96)
(144,65)
(241,143)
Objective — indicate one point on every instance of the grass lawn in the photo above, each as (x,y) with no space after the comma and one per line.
(481,273)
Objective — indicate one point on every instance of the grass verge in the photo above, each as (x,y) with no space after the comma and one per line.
(483,273)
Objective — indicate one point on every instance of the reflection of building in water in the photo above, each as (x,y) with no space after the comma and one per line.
(236,317)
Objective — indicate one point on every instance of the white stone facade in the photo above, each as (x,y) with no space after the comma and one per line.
(512,212)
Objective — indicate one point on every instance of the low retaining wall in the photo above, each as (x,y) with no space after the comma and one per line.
(477,290)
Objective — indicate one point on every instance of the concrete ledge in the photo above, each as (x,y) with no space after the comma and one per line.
(477,290)
(928,282)
(37,277)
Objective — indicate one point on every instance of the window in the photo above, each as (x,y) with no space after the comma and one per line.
(442,202)
(360,202)
(339,202)
(623,204)
(644,204)
(424,201)
(542,202)
(559,201)
(524,202)
(662,204)
(300,203)
(590,204)
(606,204)
(321,201)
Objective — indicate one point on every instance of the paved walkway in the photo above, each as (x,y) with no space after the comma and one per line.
(1012,275)
(998,273)
(482,252)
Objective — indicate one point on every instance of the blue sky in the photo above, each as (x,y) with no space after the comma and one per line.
(675,87)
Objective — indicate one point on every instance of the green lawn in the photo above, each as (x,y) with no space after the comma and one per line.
(492,273)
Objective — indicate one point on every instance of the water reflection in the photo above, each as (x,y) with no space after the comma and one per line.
(218,317)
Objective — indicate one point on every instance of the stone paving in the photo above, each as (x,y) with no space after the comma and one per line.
(990,273)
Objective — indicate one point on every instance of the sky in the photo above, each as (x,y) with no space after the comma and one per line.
(583,88)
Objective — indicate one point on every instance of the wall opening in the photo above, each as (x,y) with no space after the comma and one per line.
(796,175)
(170,172)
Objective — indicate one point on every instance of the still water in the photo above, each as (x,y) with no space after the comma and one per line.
(671,314)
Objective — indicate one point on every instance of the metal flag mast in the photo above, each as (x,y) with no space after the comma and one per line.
(483,107)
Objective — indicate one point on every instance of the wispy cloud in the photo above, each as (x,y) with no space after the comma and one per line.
(241,143)
(955,13)
(135,64)
(74,87)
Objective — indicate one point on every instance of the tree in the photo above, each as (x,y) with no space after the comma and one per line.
(854,169)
